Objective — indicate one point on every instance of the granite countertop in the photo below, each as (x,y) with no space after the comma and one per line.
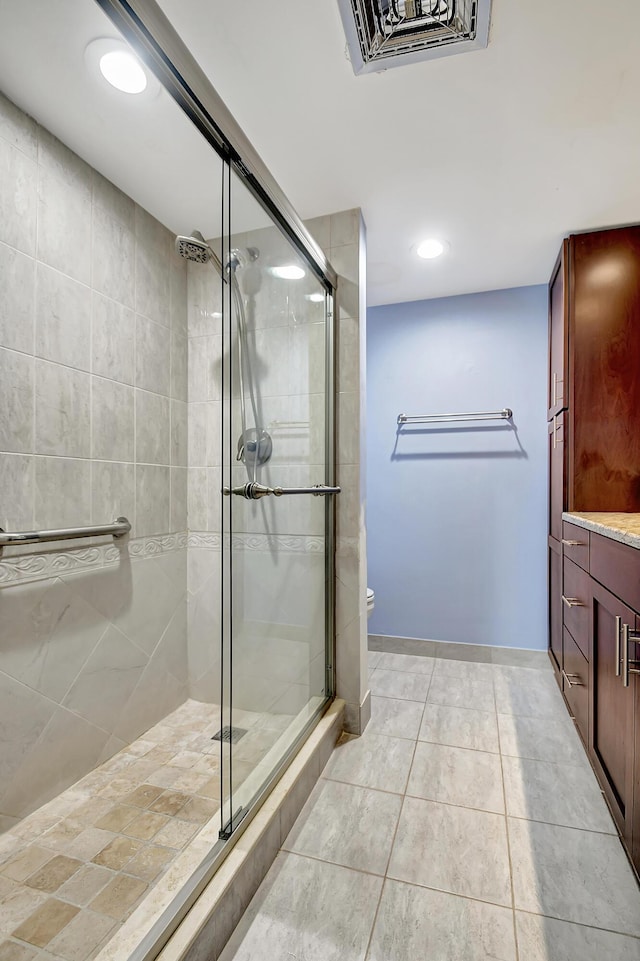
(618,526)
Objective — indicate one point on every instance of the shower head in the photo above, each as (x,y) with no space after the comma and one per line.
(240,258)
(195,248)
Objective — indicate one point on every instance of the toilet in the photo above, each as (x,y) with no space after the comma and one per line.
(371,597)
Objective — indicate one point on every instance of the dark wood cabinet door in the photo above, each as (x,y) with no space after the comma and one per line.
(557,474)
(558,335)
(611,738)
(605,370)
(575,683)
(555,601)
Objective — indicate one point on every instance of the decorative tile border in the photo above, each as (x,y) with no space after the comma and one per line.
(25,567)
(266,543)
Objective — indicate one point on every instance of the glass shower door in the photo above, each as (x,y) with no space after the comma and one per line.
(278,505)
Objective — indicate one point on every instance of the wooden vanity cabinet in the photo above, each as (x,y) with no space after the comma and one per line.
(612,722)
(593,404)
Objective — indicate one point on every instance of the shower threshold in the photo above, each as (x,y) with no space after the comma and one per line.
(74,871)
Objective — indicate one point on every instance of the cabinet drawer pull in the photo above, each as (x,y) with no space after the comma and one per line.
(628,634)
(572,601)
(574,683)
(569,543)
(618,629)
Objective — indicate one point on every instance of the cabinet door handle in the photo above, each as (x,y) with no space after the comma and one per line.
(625,655)
(628,635)
(556,380)
(618,629)
(574,683)
(572,601)
(568,543)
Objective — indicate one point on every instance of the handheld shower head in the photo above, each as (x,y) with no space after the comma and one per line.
(194,248)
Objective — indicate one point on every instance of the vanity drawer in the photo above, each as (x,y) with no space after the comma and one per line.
(617,567)
(575,683)
(576,591)
(575,544)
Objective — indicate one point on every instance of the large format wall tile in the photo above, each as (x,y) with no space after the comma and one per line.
(25,714)
(64,225)
(113,340)
(112,421)
(152,356)
(48,770)
(107,681)
(16,484)
(112,492)
(17,299)
(18,198)
(16,412)
(68,351)
(63,319)
(153,428)
(63,411)
(113,263)
(46,635)
(153,499)
(62,492)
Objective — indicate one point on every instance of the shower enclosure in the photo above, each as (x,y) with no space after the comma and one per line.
(167,360)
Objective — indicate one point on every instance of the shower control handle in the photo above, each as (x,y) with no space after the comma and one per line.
(254,491)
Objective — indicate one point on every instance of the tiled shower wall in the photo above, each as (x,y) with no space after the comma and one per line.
(93,424)
(342,236)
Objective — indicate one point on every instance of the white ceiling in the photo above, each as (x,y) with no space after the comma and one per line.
(501,152)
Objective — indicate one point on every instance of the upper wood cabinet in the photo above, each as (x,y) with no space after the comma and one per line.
(594,368)
(559,334)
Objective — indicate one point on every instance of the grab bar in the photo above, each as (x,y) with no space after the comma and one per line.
(118,528)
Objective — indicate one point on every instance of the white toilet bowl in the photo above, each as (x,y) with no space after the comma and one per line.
(371,598)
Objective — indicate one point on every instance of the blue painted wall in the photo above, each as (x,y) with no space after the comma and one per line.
(457,515)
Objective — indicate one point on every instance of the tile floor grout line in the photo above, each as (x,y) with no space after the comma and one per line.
(375,919)
(363,787)
(581,924)
(453,894)
(336,864)
(506,825)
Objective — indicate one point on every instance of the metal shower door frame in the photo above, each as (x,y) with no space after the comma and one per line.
(145,27)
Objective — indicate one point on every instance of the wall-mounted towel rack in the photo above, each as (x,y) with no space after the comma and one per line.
(118,528)
(505,414)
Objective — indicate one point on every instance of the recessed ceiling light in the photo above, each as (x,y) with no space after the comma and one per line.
(430,248)
(316,298)
(123,71)
(288,272)
(113,60)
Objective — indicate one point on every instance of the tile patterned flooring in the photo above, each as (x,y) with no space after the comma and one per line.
(464,825)
(73,871)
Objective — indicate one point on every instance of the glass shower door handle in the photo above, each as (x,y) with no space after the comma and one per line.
(254,491)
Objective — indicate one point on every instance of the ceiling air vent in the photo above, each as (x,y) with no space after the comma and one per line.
(389,33)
